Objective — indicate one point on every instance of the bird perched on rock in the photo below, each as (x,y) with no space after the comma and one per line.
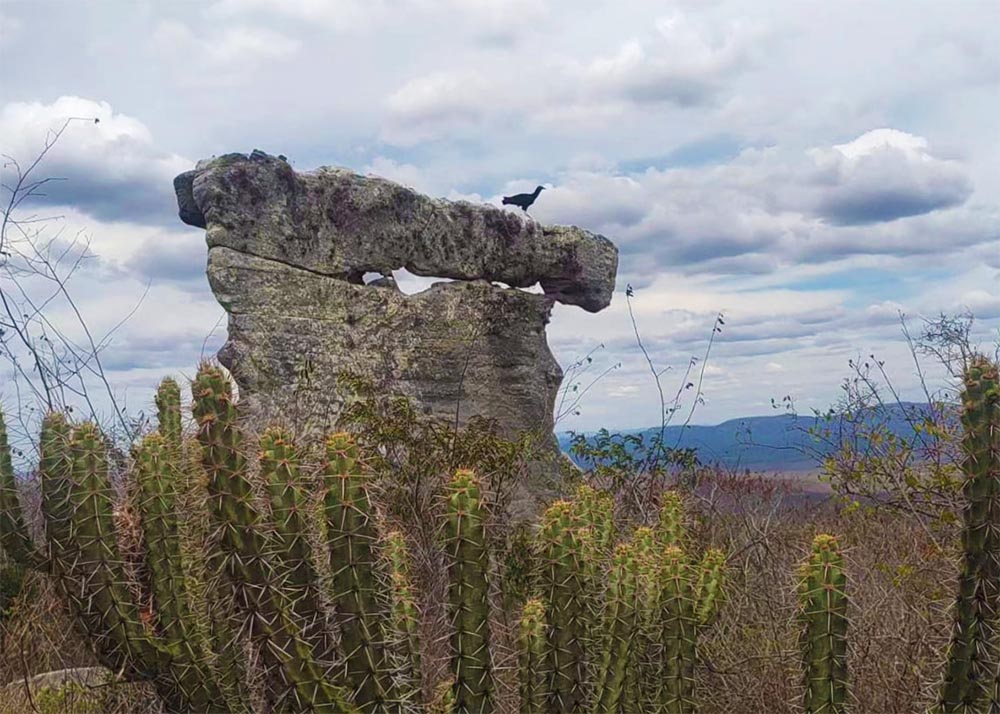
(523,199)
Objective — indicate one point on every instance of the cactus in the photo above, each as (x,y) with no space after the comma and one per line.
(157,474)
(565,599)
(292,560)
(295,678)
(973,652)
(708,588)
(468,595)
(14,536)
(678,632)
(603,627)
(823,609)
(351,530)
(531,643)
(670,527)
(619,627)
(404,617)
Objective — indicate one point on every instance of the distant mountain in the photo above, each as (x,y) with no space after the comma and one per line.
(780,443)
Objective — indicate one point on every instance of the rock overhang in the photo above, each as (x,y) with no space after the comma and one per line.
(339,224)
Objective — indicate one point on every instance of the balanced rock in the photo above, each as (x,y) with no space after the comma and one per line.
(287,255)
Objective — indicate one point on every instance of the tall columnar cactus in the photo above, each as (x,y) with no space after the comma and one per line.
(292,562)
(531,643)
(596,510)
(565,598)
(168,410)
(351,532)
(182,646)
(613,628)
(296,681)
(973,653)
(671,528)
(708,585)
(823,612)
(468,595)
(678,633)
(619,630)
(404,618)
(14,536)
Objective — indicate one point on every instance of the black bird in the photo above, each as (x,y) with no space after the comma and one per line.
(523,199)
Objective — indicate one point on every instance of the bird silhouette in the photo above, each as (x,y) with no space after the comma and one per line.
(523,200)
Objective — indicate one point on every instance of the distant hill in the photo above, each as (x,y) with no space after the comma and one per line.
(780,443)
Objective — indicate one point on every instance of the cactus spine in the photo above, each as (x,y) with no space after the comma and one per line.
(531,657)
(678,631)
(404,616)
(973,653)
(468,595)
(351,530)
(564,596)
(296,681)
(13,534)
(823,602)
(156,473)
(619,627)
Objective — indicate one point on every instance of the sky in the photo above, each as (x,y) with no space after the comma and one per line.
(809,170)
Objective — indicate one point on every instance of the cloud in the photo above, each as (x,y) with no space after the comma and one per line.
(682,63)
(112,170)
(10,29)
(766,209)
(177,258)
(883,175)
(493,22)
(223,56)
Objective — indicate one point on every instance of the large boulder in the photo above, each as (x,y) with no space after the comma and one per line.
(287,256)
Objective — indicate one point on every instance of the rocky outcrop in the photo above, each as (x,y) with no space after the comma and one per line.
(287,256)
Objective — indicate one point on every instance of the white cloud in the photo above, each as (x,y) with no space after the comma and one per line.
(112,169)
(683,63)
(883,175)
(230,48)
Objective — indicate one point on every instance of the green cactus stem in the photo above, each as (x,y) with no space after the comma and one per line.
(619,630)
(823,602)
(351,533)
(708,591)
(973,652)
(168,408)
(295,679)
(565,598)
(671,526)
(181,656)
(293,571)
(93,565)
(14,537)
(404,615)
(468,595)
(678,633)
(531,641)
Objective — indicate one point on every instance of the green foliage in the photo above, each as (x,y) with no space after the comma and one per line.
(614,458)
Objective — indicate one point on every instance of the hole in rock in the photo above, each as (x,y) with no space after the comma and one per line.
(410,284)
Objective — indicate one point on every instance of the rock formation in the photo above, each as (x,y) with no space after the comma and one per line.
(287,256)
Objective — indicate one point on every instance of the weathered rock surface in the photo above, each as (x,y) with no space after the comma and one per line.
(287,253)
(337,223)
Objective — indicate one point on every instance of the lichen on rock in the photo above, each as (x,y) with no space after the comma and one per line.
(287,252)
